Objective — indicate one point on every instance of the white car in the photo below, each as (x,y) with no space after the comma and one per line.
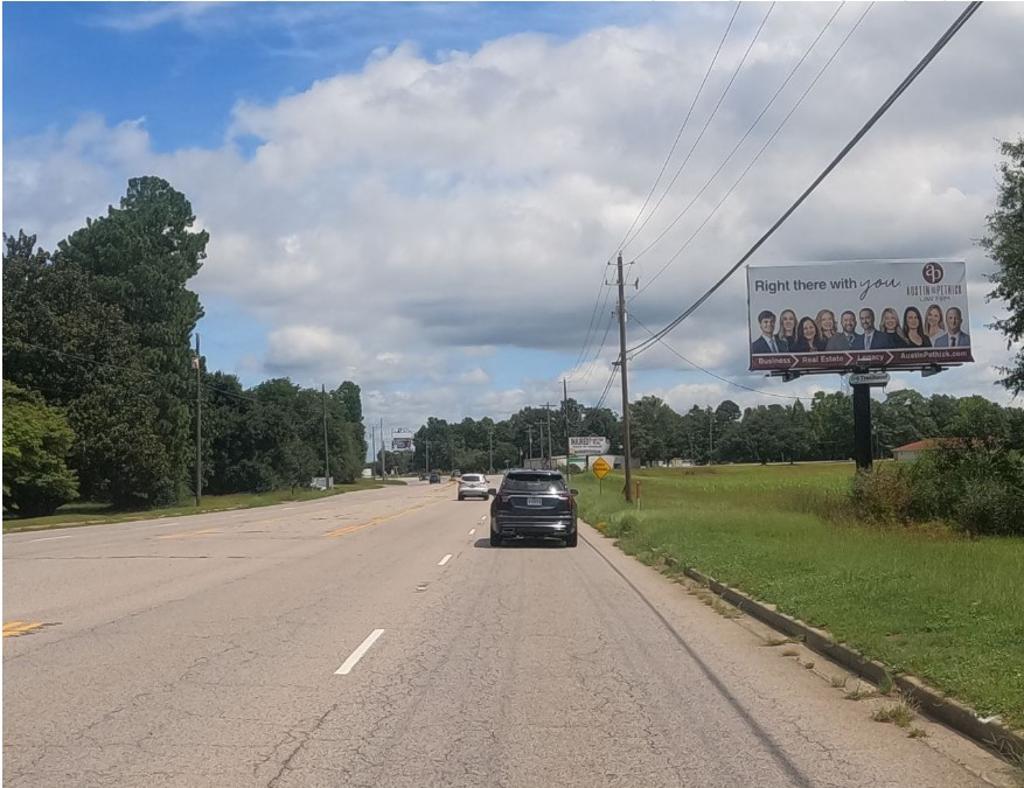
(473,485)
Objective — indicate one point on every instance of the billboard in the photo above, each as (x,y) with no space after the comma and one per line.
(402,441)
(871,314)
(591,444)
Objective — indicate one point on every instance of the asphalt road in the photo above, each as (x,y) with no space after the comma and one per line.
(376,639)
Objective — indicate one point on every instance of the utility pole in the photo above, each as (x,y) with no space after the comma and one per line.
(327,459)
(541,447)
(711,434)
(626,445)
(383,452)
(547,407)
(529,434)
(373,448)
(198,361)
(565,411)
(490,451)
(427,461)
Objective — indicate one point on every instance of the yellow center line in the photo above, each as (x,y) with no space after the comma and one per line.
(187,534)
(351,529)
(15,628)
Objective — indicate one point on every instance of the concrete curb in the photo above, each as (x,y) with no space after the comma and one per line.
(989,733)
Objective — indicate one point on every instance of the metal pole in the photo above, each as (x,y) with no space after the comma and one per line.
(862,426)
(383,452)
(199,424)
(547,407)
(711,434)
(427,459)
(529,434)
(541,428)
(565,409)
(373,448)
(490,451)
(327,456)
(626,444)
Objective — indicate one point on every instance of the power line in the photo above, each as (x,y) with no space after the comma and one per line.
(593,314)
(900,89)
(742,139)
(757,155)
(682,128)
(607,388)
(704,128)
(709,372)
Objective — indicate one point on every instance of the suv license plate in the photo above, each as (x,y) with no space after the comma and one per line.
(533,502)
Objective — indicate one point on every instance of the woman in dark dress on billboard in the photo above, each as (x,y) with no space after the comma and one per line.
(808,339)
(913,328)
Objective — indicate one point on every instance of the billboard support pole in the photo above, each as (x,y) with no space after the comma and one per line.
(862,426)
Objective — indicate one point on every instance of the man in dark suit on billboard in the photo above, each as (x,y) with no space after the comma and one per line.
(873,340)
(767,342)
(848,338)
(954,337)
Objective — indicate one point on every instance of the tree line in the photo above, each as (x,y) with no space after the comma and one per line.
(820,430)
(99,377)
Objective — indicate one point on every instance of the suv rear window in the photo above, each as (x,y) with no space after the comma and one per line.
(472,477)
(533,482)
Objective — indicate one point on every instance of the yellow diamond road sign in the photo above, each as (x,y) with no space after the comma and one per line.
(600,467)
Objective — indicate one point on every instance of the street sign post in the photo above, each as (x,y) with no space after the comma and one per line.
(601,468)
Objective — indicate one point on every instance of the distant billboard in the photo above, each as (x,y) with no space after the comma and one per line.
(402,441)
(591,444)
(872,314)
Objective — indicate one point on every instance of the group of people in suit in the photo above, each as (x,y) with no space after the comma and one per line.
(822,333)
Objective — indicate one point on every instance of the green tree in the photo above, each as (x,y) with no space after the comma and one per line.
(1005,245)
(36,441)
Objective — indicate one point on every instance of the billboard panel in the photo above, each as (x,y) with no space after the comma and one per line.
(874,314)
(402,441)
(591,444)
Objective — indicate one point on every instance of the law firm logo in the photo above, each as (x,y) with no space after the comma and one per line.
(932,273)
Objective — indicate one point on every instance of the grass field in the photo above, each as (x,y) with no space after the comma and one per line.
(73,514)
(925,601)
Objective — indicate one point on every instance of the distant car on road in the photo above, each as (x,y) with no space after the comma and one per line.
(533,503)
(435,478)
(473,485)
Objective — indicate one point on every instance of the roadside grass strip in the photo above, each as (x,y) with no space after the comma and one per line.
(86,513)
(922,600)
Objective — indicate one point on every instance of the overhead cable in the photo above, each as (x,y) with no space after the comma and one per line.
(704,128)
(682,127)
(709,372)
(742,139)
(900,89)
(757,155)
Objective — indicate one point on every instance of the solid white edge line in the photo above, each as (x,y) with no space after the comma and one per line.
(355,656)
(445,560)
(51,538)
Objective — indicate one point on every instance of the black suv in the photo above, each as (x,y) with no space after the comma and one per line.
(533,503)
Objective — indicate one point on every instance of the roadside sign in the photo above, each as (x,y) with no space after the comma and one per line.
(588,444)
(601,468)
(869,379)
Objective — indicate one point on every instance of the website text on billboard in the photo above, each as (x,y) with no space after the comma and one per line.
(861,314)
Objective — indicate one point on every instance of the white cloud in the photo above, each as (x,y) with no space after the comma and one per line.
(409,223)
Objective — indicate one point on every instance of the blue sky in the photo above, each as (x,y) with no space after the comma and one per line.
(422,197)
(183,74)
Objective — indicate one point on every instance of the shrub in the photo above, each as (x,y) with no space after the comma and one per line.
(977,487)
(36,441)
